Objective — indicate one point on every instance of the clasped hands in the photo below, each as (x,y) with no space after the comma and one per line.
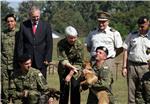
(24,93)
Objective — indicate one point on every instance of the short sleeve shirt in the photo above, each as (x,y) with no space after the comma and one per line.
(110,38)
(137,45)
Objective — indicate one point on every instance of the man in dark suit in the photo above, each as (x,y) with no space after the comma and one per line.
(35,38)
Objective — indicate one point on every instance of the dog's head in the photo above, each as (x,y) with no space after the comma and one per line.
(87,65)
(89,76)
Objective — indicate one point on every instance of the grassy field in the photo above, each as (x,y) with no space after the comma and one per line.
(119,87)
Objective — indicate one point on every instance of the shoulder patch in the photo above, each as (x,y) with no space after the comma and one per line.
(95,28)
(105,67)
(40,74)
(134,32)
(112,29)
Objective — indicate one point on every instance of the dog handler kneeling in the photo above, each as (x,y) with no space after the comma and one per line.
(100,92)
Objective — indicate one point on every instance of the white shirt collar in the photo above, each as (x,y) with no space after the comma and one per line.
(106,30)
(146,35)
(36,22)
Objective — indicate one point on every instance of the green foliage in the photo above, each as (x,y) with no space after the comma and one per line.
(121,28)
(5,9)
(119,87)
(63,18)
(82,14)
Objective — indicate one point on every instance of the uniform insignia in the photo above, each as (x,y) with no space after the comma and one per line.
(112,29)
(105,67)
(104,49)
(95,28)
(148,51)
(40,74)
(134,32)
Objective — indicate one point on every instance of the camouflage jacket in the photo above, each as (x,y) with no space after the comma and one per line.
(105,78)
(33,81)
(7,49)
(71,53)
(104,83)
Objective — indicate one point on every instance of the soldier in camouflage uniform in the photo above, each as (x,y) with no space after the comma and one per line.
(104,75)
(70,55)
(7,54)
(27,84)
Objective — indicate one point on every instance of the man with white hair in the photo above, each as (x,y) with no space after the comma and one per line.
(70,55)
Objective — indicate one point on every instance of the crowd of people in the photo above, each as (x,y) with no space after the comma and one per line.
(26,53)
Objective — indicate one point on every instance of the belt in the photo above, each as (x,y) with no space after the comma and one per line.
(138,63)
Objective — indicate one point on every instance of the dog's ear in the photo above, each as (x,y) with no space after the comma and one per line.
(87,64)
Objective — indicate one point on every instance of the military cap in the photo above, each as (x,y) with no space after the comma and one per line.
(103,16)
(102,48)
(24,58)
(10,15)
(71,31)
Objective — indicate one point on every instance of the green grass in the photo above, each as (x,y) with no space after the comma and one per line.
(120,90)
(119,87)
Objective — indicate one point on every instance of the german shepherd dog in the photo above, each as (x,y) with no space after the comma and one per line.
(90,79)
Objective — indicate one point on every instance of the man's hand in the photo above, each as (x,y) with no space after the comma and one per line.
(46,62)
(75,69)
(71,67)
(69,76)
(124,72)
(51,100)
(26,93)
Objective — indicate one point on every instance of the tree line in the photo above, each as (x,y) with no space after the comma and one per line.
(82,14)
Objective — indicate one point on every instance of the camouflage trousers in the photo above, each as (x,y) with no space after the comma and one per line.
(32,98)
(5,82)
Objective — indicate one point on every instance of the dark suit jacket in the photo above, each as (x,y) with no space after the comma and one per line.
(38,45)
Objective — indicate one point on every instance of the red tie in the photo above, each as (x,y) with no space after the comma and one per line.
(34,28)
